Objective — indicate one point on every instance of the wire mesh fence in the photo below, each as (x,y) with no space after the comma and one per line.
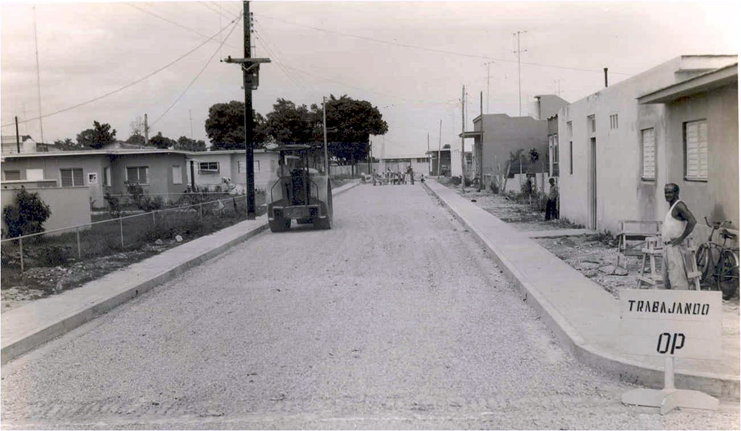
(201,214)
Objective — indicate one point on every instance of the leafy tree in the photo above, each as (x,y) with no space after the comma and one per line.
(67,145)
(187,144)
(225,126)
(26,215)
(291,124)
(136,140)
(162,142)
(138,127)
(350,123)
(97,137)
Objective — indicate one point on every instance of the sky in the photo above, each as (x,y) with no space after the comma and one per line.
(114,62)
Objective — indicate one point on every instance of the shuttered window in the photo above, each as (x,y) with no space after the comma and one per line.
(696,150)
(648,140)
(137,174)
(72,177)
(177,175)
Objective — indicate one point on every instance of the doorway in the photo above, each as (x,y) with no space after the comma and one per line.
(593,184)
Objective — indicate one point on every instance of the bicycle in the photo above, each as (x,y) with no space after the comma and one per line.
(725,269)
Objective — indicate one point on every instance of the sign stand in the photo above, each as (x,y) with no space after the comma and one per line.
(670,397)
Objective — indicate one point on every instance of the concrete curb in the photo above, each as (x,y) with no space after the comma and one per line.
(722,386)
(88,311)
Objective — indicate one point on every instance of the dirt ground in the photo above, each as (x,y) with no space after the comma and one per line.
(39,282)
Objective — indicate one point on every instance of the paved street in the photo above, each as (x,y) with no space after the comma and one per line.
(395,318)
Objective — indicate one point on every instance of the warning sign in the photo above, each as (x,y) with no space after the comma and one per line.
(677,323)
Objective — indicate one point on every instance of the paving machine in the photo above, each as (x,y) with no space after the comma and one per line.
(302,192)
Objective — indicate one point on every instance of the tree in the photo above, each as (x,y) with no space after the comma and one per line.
(26,215)
(162,142)
(138,127)
(350,123)
(136,140)
(97,137)
(225,126)
(67,145)
(291,124)
(187,144)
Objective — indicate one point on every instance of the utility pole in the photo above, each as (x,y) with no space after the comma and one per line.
(38,74)
(190,115)
(251,79)
(17,136)
(487,85)
(519,79)
(324,121)
(463,140)
(439,146)
(558,87)
(146,131)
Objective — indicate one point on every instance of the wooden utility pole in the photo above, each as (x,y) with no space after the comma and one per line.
(17,136)
(324,123)
(519,79)
(439,146)
(463,140)
(251,79)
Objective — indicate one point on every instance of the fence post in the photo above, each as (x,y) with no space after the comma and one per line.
(21,243)
(154,221)
(201,211)
(79,250)
(120,219)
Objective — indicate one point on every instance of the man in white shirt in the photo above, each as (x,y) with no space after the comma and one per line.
(678,224)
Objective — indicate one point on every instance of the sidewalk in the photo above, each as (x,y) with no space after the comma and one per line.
(582,315)
(40,321)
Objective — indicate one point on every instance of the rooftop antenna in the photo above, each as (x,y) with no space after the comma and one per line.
(38,73)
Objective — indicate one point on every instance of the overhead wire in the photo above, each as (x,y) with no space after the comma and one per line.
(127,85)
(440,51)
(199,73)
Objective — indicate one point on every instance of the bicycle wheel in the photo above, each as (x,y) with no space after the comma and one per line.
(728,274)
(703,261)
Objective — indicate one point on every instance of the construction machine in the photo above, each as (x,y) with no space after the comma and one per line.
(302,192)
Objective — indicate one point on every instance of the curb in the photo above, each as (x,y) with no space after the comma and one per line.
(88,312)
(722,386)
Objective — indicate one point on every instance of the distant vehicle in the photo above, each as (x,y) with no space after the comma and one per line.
(302,192)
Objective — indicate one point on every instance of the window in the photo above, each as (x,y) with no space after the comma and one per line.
(34,174)
(555,149)
(571,157)
(177,175)
(107,177)
(648,141)
(12,175)
(696,150)
(208,167)
(72,177)
(242,163)
(591,125)
(137,174)
(421,160)
(614,121)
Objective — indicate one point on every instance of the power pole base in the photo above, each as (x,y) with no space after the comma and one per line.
(669,399)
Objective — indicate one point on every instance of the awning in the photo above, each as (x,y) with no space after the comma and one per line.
(699,84)
(471,134)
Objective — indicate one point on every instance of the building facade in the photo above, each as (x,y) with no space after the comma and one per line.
(619,147)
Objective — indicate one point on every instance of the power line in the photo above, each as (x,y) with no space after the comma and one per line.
(441,51)
(174,22)
(198,75)
(127,85)
(265,42)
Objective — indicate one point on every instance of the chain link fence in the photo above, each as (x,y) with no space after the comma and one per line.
(195,215)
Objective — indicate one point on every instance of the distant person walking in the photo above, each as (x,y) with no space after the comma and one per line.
(410,172)
(551,206)
(678,224)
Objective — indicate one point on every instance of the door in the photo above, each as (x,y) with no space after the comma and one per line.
(593,184)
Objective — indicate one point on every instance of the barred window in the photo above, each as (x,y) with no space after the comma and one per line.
(137,174)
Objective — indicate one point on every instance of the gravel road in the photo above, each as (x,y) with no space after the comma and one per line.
(396,318)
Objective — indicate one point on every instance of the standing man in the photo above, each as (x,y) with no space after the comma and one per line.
(551,206)
(678,224)
(411,174)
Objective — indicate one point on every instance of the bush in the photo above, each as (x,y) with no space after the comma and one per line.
(142,200)
(494,187)
(26,215)
(114,205)
(467,182)
(54,256)
(456,181)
